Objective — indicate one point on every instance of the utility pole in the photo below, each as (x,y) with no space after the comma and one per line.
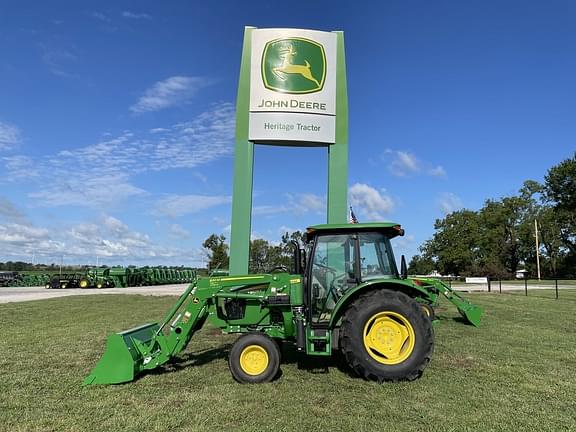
(537,247)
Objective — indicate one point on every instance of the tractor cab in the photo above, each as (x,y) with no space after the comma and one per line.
(341,257)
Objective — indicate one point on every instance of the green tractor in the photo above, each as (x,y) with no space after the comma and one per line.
(344,293)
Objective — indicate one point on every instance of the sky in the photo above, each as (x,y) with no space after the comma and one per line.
(117,120)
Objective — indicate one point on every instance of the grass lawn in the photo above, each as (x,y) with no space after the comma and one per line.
(515,373)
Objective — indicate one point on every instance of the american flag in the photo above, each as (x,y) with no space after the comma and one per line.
(353,216)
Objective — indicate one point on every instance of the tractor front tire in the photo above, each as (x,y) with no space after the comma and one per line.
(428,311)
(254,358)
(385,336)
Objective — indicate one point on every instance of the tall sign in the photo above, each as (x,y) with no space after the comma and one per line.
(292,91)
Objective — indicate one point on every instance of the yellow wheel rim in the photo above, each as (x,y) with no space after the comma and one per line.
(426,311)
(83,283)
(389,338)
(254,360)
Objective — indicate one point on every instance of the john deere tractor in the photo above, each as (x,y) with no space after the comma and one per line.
(344,293)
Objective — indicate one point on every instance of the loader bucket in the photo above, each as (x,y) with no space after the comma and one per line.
(122,360)
(472,313)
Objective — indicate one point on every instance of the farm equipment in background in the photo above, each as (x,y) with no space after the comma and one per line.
(344,293)
(101,277)
(26,279)
(122,277)
(7,278)
(65,280)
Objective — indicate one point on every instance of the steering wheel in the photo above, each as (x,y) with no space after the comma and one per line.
(338,284)
(280,269)
(328,268)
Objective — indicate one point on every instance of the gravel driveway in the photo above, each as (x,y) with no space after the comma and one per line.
(21,294)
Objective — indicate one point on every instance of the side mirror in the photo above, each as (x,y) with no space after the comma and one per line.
(297,258)
(403,268)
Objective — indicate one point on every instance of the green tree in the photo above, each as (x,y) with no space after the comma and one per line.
(260,256)
(454,246)
(501,225)
(216,250)
(560,191)
(551,241)
(421,265)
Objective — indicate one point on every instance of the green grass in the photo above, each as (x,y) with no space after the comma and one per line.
(515,373)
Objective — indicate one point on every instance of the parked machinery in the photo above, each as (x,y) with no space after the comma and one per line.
(101,277)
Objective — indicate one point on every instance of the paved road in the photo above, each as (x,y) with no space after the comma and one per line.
(21,294)
(549,285)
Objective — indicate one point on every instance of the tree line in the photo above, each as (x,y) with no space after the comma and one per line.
(265,256)
(499,239)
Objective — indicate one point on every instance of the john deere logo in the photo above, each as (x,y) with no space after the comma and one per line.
(294,65)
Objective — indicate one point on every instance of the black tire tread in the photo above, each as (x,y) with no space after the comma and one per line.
(254,338)
(351,319)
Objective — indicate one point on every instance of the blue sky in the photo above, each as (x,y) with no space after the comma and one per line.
(117,119)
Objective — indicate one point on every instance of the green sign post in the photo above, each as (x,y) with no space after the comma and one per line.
(292,91)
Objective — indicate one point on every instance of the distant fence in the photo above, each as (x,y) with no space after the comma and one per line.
(548,287)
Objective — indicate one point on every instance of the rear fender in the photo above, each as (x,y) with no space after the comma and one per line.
(405,286)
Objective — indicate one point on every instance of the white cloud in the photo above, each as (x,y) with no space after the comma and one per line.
(300,204)
(179,205)
(449,202)
(107,238)
(58,60)
(173,91)
(158,130)
(403,163)
(185,145)
(100,176)
(406,164)
(18,233)
(10,136)
(100,16)
(178,232)
(369,202)
(136,16)
(19,167)
(313,203)
(9,212)
(297,204)
(366,201)
(23,241)
(438,171)
(105,190)
(267,210)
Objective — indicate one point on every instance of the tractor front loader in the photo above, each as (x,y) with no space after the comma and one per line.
(345,293)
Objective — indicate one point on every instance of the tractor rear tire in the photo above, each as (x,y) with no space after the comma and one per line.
(385,336)
(254,358)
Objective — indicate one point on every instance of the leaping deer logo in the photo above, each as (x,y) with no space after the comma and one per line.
(287,67)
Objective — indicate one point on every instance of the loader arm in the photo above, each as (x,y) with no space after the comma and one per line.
(471,312)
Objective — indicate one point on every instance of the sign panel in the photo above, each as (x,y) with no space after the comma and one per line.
(277,126)
(292,86)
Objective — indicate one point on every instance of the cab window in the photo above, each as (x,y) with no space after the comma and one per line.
(376,259)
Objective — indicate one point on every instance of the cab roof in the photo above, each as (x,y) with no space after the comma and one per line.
(370,226)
